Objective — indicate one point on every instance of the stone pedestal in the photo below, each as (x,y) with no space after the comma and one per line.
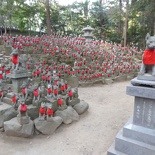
(138,136)
(17,80)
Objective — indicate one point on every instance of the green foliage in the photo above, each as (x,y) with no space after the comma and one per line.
(70,20)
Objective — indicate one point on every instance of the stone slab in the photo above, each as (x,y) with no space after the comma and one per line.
(112,151)
(139,133)
(132,147)
(145,82)
(141,91)
(147,77)
(18,75)
(144,112)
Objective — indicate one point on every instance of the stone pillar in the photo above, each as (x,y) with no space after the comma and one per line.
(17,80)
(138,136)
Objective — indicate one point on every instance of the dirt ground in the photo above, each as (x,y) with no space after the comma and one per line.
(109,110)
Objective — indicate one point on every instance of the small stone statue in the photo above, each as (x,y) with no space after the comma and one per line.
(15,60)
(14,99)
(36,93)
(42,112)
(1,95)
(23,117)
(70,93)
(49,112)
(55,91)
(49,90)
(148,63)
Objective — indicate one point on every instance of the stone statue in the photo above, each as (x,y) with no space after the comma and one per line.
(14,99)
(50,112)
(18,62)
(22,117)
(148,62)
(49,90)
(1,95)
(42,112)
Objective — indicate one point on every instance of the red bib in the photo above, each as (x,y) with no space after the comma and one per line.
(23,91)
(23,107)
(63,87)
(149,57)
(15,59)
(42,110)
(1,76)
(50,112)
(14,99)
(36,93)
(70,93)
(55,92)
(49,90)
(60,101)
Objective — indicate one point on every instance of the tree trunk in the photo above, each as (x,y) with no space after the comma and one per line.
(126,23)
(48,22)
(120,19)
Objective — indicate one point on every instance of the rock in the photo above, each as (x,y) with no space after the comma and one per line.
(9,114)
(68,115)
(32,111)
(48,127)
(13,128)
(81,107)
(3,108)
(108,81)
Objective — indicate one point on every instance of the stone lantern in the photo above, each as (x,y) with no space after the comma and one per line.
(88,33)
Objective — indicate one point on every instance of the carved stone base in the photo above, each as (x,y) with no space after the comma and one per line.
(136,81)
(138,136)
(23,120)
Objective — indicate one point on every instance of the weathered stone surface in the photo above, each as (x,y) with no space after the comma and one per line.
(9,114)
(13,128)
(73,81)
(68,115)
(73,102)
(81,107)
(3,108)
(108,81)
(33,112)
(121,78)
(48,127)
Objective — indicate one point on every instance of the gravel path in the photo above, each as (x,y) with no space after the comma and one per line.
(109,110)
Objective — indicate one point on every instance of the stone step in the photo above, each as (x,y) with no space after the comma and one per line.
(132,147)
(112,151)
(139,133)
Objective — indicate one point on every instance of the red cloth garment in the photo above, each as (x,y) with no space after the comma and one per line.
(42,110)
(43,77)
(50,112)
(1,76)
(63,87)
(14,99)
(23,91)
(60,101)
(70,93)
(49,90)
(36,92)
(1,93)
(23,107)
(55,92)
(149,57)
(66,86)
(15,59)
